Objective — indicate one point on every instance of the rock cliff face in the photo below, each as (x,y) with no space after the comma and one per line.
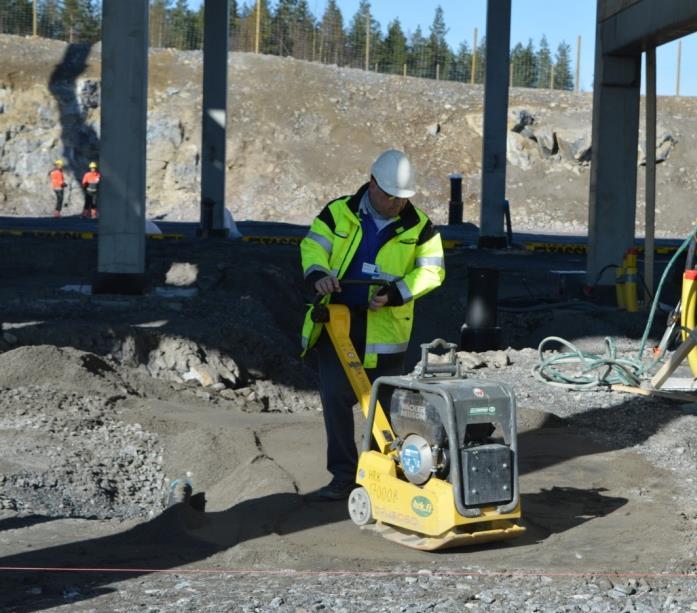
(302,133)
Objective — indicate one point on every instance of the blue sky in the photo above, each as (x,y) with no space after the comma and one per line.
(558,20)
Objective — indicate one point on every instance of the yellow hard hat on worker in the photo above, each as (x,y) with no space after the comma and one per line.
(58,163)
(93,165)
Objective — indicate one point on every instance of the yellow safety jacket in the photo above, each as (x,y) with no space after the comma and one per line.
(411,258)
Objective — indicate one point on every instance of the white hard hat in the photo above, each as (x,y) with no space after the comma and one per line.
(394,174)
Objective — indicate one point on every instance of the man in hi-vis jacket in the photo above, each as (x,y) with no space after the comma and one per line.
(376,233)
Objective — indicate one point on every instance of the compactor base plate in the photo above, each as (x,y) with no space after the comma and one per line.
(502,530)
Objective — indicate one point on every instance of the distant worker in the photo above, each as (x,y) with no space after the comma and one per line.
(90,185)
(58,185)
(376,233)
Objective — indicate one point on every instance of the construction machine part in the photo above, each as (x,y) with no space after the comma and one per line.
(429,472)
(360,509)
(687,314)
(459,537)
(433,510)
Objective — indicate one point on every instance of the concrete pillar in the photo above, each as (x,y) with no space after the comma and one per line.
(498,40)
(121,203)
(214,120)
(613,181)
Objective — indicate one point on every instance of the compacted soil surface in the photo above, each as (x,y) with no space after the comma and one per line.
(113,407)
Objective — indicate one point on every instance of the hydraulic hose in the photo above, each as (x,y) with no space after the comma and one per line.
(592,370)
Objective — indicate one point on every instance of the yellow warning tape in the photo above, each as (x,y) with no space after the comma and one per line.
(162,237)
(77,235)
(295,240)
(580,248)
(273,240)
(575,248)
(49,234)
(448,244)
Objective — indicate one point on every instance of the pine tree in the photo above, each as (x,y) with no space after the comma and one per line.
(234,26)
(562,68)
(70,18)
(332,38)
(419,54)
(91,25)
(544,64)
(303,32)
(439,52)
(523,66)
(49,21)
(461,67)
(80,20)
(183,32)
(248,21)
(480,57)
(281,24)
(16,16)
(394,49)
(159,10)
(356,39)
(530,61)
(516,65)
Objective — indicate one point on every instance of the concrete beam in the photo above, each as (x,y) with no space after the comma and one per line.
(498,42)
(214,120)
(121,259)
(642,24)
(612,202)
(608,8)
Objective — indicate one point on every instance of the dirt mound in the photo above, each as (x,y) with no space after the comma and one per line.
(60,368)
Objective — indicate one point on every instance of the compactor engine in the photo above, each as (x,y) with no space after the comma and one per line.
(426,423)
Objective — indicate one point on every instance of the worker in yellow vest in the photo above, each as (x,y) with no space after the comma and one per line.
(376,233)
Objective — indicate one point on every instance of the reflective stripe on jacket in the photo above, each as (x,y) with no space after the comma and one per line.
(411,257)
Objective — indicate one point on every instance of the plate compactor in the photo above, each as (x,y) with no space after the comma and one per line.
(434,478)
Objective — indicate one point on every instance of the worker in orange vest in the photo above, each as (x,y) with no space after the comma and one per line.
(90,185)
(58,185)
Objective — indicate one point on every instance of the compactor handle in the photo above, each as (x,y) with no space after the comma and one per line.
(320,313)
(451,367)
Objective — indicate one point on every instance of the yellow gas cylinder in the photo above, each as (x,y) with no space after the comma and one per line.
(687,312)
(631,276)
(619,286)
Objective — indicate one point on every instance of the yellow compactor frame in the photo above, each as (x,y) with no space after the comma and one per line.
(687,313)
(418,516)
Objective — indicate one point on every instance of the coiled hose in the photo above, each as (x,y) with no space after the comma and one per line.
(592,370)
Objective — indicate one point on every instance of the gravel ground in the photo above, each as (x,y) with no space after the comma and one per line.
(408,591)
(126,393)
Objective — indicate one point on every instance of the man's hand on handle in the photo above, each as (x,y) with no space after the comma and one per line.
(379,299)
(327,285)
